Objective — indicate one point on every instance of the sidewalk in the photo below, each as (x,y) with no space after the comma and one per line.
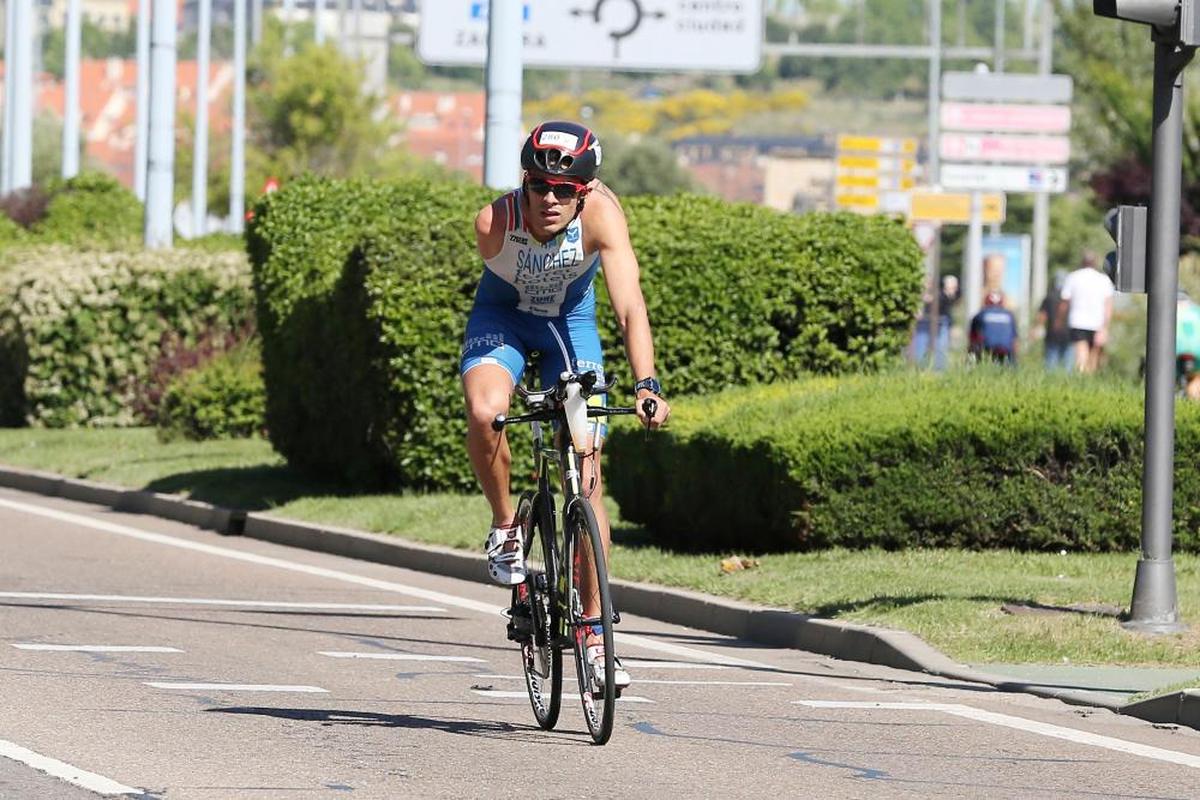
(1101,687)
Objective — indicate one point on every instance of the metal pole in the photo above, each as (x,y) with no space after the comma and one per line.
(501,160)
(160,172)
(973,259)
(1041,200)
(256,21)
(1154,608)
(1027,25)
(998,37)
(200,144)
(6,165)
(935,94)
(20,60)
(356,10)
(237,166)
(142,140)
(341,26)
(70,134)
(289,9)
(318,16)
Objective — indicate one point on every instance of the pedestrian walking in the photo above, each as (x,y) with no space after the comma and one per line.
(1056,337)
(1086,304)
(993,333)
(947,297)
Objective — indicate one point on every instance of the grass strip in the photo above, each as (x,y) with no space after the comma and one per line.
(950,598)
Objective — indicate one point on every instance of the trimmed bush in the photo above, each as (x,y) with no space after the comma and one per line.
(363,291)
(81,329)
(324,364)
(742,294)
(986,459)
(223,398)
(91,210)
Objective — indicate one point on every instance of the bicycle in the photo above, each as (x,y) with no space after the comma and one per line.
(547,612)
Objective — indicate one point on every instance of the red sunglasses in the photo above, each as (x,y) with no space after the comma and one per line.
(563,190)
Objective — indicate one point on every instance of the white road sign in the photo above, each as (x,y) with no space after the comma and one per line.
(1007,88)
(1007,148)
(999,178)
(1006,117)
(710,35)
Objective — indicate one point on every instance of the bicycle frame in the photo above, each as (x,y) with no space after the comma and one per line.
(563,456)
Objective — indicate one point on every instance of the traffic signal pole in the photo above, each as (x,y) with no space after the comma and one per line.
(1155,608)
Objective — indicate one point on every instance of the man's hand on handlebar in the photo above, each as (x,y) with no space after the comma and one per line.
(652,410)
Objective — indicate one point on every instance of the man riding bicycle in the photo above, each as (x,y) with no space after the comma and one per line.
(541,245)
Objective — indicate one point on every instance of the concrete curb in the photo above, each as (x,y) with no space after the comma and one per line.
(769,626)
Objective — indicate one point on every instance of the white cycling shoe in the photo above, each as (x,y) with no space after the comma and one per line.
(595,657)
(506,564)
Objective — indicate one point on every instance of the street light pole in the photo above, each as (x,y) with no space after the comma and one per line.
(160,172)
(1155,608)
(70,135)
(501,159)
(200,146)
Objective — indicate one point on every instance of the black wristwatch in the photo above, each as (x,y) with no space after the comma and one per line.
(650,384)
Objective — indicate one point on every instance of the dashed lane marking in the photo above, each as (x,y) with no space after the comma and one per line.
(206,601)
(64,771)
(95,648)
(237,687)
(403,657)
(625,698)
(1019,723)
(630,662)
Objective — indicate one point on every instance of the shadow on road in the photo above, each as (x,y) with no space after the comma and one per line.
(488,729)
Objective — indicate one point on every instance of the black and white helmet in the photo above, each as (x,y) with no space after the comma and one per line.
(564,149)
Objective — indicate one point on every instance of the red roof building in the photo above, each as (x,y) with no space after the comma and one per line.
(445,127)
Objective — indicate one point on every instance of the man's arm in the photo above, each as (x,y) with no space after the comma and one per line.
(489,229)
(605,226)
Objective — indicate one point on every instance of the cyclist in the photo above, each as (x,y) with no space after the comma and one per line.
(541,246)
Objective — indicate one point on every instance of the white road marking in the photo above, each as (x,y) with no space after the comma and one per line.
(1019,723)
(348,577)
(626,698)
(63,771)
(205,601)
(96,648)
(661,683)
(237,687)
(629,662)
(402,657)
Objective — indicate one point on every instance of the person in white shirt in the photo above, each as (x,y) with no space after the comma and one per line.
(1086,305)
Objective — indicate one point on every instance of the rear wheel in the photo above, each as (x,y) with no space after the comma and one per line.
(532,610)
(589,581)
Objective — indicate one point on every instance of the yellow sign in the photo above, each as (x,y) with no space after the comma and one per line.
(877,144)
(861,202)
(954,207)
(876,163)
(864,181)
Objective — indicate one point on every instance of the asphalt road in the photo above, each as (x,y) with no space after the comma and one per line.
(259,671)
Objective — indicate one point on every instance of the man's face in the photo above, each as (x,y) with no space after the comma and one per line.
(553,201)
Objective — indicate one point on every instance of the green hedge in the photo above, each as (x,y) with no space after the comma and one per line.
(979,460)
(79,330)
(326,367)
(363,291)
(221,399)
(742,294)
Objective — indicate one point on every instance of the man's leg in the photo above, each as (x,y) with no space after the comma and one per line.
(1082,356)
(488,390)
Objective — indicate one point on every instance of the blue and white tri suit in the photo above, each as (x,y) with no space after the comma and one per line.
(536,296)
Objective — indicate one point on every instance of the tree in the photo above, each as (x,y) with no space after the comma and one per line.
(646,166)
(95,42)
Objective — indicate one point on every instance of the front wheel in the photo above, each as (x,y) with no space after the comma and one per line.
(589,593)
(533,608)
